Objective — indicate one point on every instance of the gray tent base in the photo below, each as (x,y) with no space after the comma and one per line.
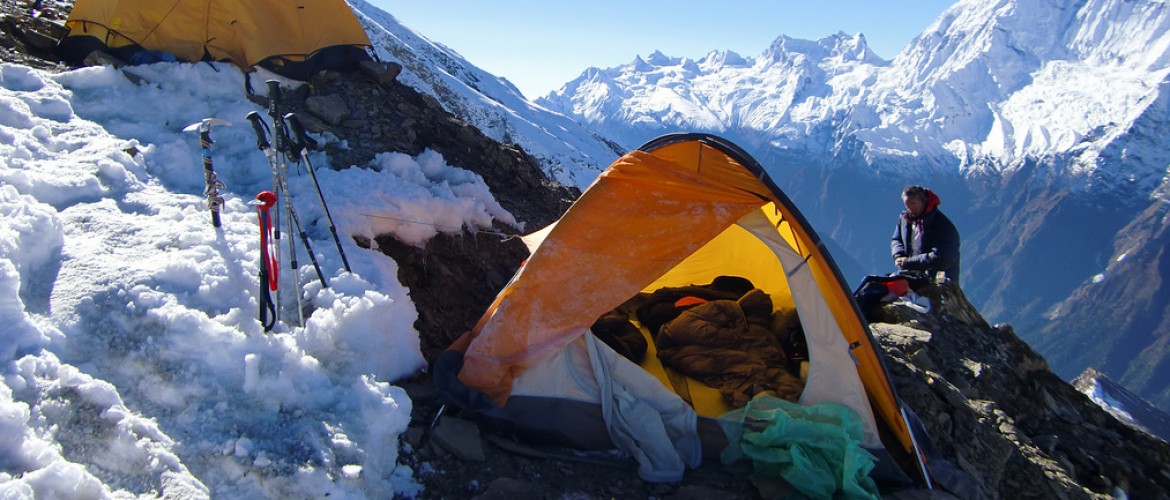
(580,425)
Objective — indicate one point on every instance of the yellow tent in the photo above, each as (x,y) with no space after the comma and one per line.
(280,33)
(681,210)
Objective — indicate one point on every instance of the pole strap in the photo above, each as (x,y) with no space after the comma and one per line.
(267,200)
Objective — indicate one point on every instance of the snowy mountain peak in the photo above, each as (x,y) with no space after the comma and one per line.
(655,62)
(1126,406)
(784,48)
(717,59)
(657,58)
(840,46)
(853,48)
(723,92)
(640,64)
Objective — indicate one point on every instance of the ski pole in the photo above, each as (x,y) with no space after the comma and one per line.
(283,147)
(262,144)
(292,213)
(301,142)
(280,145)
(259,126)
(269,269)
(214,200)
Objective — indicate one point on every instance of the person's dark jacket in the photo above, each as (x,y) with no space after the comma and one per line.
(938,250)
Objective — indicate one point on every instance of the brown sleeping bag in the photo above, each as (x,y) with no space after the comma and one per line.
(729,345)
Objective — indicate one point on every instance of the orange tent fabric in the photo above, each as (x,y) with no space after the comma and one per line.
(245,32)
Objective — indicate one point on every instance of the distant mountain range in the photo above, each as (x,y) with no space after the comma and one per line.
(1041,124)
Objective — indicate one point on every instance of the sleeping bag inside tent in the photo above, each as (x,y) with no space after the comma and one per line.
(294,38)
(762,322)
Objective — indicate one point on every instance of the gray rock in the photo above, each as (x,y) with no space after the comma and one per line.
(381,71)
(43,42)
(698,492)
(459,437)
(506,488)
(993,408)
(99,58)
(331,108)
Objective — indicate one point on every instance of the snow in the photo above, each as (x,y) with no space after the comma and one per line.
(132,360)
(1105,400)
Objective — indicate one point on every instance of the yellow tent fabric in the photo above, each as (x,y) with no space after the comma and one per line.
(244,32)
(680,212)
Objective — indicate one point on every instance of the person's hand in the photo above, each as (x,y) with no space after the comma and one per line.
(898,261)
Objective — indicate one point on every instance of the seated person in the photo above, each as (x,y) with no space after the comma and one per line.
(925,240)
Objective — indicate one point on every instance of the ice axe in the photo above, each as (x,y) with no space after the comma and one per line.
(214,200)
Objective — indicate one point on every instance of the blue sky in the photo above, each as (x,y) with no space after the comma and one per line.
(540,45)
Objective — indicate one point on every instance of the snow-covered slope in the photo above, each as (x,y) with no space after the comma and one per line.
(569,153)
(995,83)
(133,364)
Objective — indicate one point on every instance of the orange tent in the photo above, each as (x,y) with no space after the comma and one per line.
(681,210)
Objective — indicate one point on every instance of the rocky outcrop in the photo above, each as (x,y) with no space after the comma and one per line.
(452,280)
(993,408)
(27,35)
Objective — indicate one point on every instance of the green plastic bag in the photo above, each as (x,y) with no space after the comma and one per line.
(816,449)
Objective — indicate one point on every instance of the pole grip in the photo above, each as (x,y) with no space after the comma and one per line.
(279,132)
(301,140)
(273,98)
(259,126)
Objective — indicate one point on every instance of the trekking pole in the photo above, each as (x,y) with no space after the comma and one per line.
(258,125)
(283,147)
(262,144)
(280,146)
(214,200)
(269,268)
(296,221)
(301,142)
